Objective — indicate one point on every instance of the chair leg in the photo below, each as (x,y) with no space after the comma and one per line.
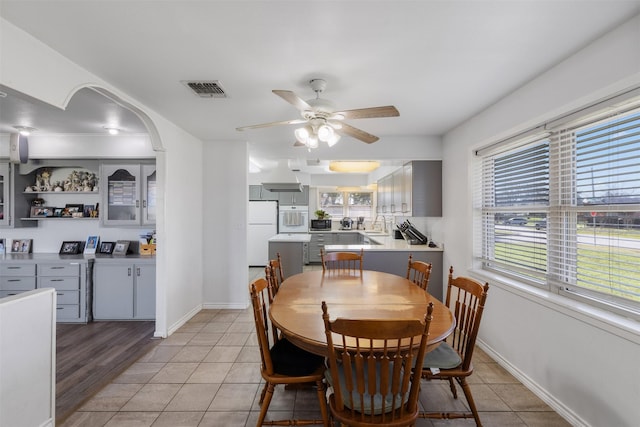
(262,393)
(470,401)
(269,388)
(322,400)
(452,386)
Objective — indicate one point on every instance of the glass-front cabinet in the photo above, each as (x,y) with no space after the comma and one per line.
(129,194)
(4,194)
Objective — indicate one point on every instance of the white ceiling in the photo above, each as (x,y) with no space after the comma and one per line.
(438,62)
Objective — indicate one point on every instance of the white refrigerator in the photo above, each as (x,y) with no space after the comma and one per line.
(262,224)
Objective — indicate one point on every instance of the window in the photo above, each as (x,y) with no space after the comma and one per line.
(562,209)
(358,204)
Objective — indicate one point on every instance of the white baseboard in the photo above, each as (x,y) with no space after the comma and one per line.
(184,319)
(570,416)
(233,306)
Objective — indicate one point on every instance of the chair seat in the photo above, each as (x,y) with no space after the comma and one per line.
(290,360)
(442,357)
(377,398)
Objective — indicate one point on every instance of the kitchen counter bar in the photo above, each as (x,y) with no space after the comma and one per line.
(381,243)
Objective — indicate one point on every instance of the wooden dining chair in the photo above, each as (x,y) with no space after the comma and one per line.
(281,361)
(451,360)
(342,262)
(374,385)
(277,272)
(418,272)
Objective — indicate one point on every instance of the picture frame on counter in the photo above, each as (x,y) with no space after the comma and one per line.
(71,247)
(106,248)
(121,247)
(21,246)
(91,245)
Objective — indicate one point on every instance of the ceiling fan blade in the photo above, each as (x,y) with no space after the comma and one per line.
(293,99)
(298,144)
(357,133)
(265,125)
(369,113)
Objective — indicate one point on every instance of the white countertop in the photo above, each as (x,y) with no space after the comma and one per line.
(291,237)
(385,243)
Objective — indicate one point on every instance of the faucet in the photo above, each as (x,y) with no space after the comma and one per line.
(384,223)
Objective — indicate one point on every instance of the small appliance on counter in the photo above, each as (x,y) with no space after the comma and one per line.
(360,223)
(411,234)
(346,223)
(320,224)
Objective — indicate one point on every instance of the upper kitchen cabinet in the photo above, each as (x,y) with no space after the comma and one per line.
(258,192)
(128,194)
(13,208)
(415,189)
(294,198)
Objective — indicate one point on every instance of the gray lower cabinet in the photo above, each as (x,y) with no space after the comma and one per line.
(16,278)
(318,241)
(124,290)
(68,279)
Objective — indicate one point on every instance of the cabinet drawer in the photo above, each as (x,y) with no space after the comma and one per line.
(17,283)
(9,293)
(58,269)
(69,283)
(67,312)
(17,270)
(68,297)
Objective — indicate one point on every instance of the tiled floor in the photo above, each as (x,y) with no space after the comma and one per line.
(208,374)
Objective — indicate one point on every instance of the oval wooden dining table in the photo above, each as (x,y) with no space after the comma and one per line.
(296,309)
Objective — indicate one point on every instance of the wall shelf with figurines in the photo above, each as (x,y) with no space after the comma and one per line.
(63,180)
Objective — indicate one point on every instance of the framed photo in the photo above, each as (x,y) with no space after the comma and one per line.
(91,245)
(71,248)
(21,246)
(41,211)
(57,212)
(88,210)
(121,247)
(106,248)
(74,207)
(3,244)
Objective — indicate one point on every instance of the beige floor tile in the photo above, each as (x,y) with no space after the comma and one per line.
(228,316)
(282,400)
(486,399)
(178,338)
(519,398)
(160,353)
(206,338)
(500,419)
(234,339)
(191,327)
(435,396)
(193,397)
(192,353)
(244,373)
(248,353)
(203,316)
(215,327)
(210,373)
(223,354)
(85,419)
(178,419)
(234,397)
(152,397)
(132,419)
(241,327)
(226,419)
(112,397)
(543,419)
(492,373)
(139,373)
(174,373)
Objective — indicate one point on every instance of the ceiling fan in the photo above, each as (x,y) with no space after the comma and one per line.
(321,119)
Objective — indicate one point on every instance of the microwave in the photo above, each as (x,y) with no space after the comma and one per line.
(321,224)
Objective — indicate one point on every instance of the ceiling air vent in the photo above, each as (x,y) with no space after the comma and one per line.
(206,88)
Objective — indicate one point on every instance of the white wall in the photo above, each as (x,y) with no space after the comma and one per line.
(31,67)
(582,362)
(225,203)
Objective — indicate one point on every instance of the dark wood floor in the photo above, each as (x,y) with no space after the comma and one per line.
(90,356)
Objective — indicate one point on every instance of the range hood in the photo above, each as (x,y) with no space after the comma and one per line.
(283,187)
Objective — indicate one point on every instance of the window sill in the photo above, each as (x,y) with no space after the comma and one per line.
(621,326)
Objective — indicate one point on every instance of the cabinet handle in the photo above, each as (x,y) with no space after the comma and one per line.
(59,293)
(14,280)
(59,308)
(144,203)
(13,268)
(57,268)
(138,271)
(129,271)
(11,294)
(137,203)
(56,280)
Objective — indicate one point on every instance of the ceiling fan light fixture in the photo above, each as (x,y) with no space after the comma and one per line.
(333,140)
(302,134)
(325,133)
(364,166)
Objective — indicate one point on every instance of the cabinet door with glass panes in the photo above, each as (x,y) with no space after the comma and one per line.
(129,194)
(4,194)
